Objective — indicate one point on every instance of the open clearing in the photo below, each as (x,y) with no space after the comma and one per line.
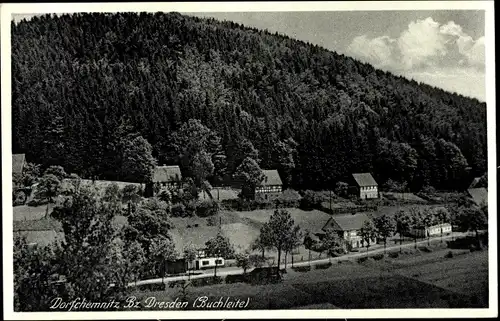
(457,282)
(28,213)
(307,220)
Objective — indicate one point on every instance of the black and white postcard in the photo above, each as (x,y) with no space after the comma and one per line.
(264,159)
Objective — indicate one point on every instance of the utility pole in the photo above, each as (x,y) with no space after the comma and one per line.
(331,202)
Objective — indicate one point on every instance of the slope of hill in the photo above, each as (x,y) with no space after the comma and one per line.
(313,114)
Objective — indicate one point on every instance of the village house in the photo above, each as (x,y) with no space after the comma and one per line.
(271,186)
(435,230)
(366,186)
(348,228)
(164,177)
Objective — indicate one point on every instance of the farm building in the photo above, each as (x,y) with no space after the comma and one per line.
(271,187)
(435,230)
(42,232)
(348,228)
(366,186)
(479,195)
(164,177)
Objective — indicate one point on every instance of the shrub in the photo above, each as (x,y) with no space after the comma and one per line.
(311,200)
(323,266)
(301,268)
(378,257)
(393,255)
(206,281)
(19,198)
(237,278)
(425,249)
(362,259)
(37,202)
(206,208)
(449,255)
(179,210)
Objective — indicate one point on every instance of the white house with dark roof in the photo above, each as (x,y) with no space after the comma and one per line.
(348,228)
(271,186)
(366,186)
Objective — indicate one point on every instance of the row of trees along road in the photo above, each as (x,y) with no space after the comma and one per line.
(282,235)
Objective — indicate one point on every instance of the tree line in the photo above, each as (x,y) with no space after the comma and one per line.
(95,93)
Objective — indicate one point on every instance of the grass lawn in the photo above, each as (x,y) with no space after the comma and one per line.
(25,212)
(241,235)
(307,220)
(392,210)
(405,196)
(465,273)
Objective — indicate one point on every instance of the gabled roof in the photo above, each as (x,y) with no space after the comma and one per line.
(364,179)
(17,163)
(346,222)
(167,174)
(271,177)
(43,224)
(474,182)
(479,195)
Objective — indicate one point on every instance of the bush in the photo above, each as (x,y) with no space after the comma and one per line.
(237,278)
(248,205)
(378,257)
(206,208)
(323,266)
(311,200)
(393,255)
(152,287)
(362,259)
(449,255)
(301,268)
(37,202)
(425,249)
(179,210)
(19,198)
(206,281)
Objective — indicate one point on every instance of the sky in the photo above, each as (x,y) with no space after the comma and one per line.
(445,49)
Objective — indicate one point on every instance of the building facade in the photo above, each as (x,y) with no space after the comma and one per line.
(366,186)
(348,228)
(270,188)
(435,230)
(169,177)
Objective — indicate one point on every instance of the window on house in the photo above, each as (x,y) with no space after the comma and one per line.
(205,262)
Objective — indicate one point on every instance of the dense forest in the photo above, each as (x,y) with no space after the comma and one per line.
(84,83)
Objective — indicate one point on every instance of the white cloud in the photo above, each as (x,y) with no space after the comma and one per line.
(421,43)
(442,55)
(377,51)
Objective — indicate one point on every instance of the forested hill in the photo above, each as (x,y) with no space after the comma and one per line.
(81,83)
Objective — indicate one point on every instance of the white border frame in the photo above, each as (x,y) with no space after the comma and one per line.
(28,8)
